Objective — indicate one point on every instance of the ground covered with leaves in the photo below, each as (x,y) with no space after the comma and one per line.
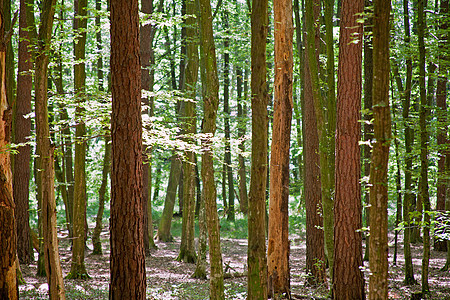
(170,279)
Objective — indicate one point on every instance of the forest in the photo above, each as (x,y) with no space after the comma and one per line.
(224,149)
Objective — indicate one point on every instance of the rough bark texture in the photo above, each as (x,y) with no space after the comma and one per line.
(315,254)
(210,105)
(78,268)
(187,247)
(8,238)
(256,258)
(46,156)
(278,246)
(348,279)
(127,232)
(378,253)
(325,127)
(368,125)
(21,179)
(441,96)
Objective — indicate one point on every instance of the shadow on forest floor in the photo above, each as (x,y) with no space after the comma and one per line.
(169,279)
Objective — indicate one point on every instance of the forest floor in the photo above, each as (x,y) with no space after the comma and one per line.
(170,279)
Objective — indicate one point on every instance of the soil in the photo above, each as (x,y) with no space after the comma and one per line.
(170,279)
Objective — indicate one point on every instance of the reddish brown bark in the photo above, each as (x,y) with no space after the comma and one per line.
(21,179)
(127,238)
(278,245)
(348,279)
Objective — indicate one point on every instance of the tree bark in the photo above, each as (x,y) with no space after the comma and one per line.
(78,268)
(127,240)
(8,239)
(187,247)
(278,245)
(210,105)
(348,279)
(378,253)
(256,256)
(22,172)
(441,93)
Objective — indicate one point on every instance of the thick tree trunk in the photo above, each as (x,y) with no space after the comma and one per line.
(378,253)
(127,240)
(22,172)
(210,105)
(348,279)
(256,258)
(8,239)
(278,246)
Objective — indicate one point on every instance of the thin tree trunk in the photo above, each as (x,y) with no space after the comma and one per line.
(378,253)
(210,103)
(78,268)
(46,155)
(200,268)
(409,141)
(96,242)
(165,222)
(325,129)
(187,247)
(423,116)
(315,251)
(242,124)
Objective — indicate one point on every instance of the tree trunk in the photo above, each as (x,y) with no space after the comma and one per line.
(78,268)
(368,126)
(96,242)
(200,268)
(227,115)
(242,124)
(378,253)
(210,105)
(167,214)
(8,241)
(423,116)
(127,240)
(22,172)
(348,279)
(325,128)
(441,93)
(278,246)
(46,155)
(187,247)
(256,256)
(315,254)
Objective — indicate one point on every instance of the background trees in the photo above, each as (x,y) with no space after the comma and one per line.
(175,108)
